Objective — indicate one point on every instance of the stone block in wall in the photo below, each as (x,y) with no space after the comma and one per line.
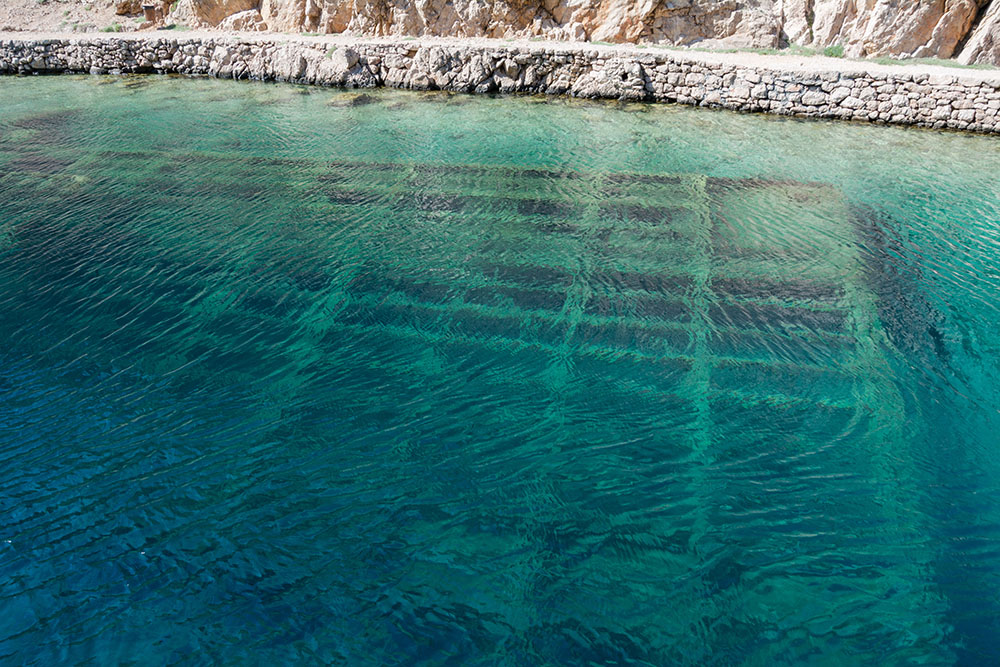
(813,98)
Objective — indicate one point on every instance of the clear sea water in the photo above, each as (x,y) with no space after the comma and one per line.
(304,376)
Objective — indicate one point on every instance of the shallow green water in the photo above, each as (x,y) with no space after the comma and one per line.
(300,375)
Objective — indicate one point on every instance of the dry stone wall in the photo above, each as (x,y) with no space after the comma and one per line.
(627,73)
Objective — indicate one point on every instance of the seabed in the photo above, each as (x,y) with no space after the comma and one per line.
(455,408)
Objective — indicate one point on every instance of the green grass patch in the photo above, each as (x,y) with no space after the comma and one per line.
(114,27)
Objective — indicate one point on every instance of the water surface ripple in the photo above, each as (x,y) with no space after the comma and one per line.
(307,376)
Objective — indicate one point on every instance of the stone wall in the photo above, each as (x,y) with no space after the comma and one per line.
(969,101)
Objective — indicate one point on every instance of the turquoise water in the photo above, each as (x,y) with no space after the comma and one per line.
(309,376)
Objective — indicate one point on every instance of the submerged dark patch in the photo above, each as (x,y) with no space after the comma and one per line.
(39,163)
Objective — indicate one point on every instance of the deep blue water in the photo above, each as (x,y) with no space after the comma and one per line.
(308,376)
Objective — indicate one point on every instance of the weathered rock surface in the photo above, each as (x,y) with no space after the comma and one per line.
(983,46)
(248,21)
(128,7)
(744,23)
(965,101)
(209,13)
(924,28)
(921,29)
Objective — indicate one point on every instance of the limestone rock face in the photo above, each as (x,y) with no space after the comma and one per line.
(739,23)
(128,7)
(902,28)
(199,13)
(984,43)
(922,29)
(796,18)
(248,21)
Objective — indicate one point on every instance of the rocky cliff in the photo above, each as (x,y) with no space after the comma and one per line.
(967,29)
